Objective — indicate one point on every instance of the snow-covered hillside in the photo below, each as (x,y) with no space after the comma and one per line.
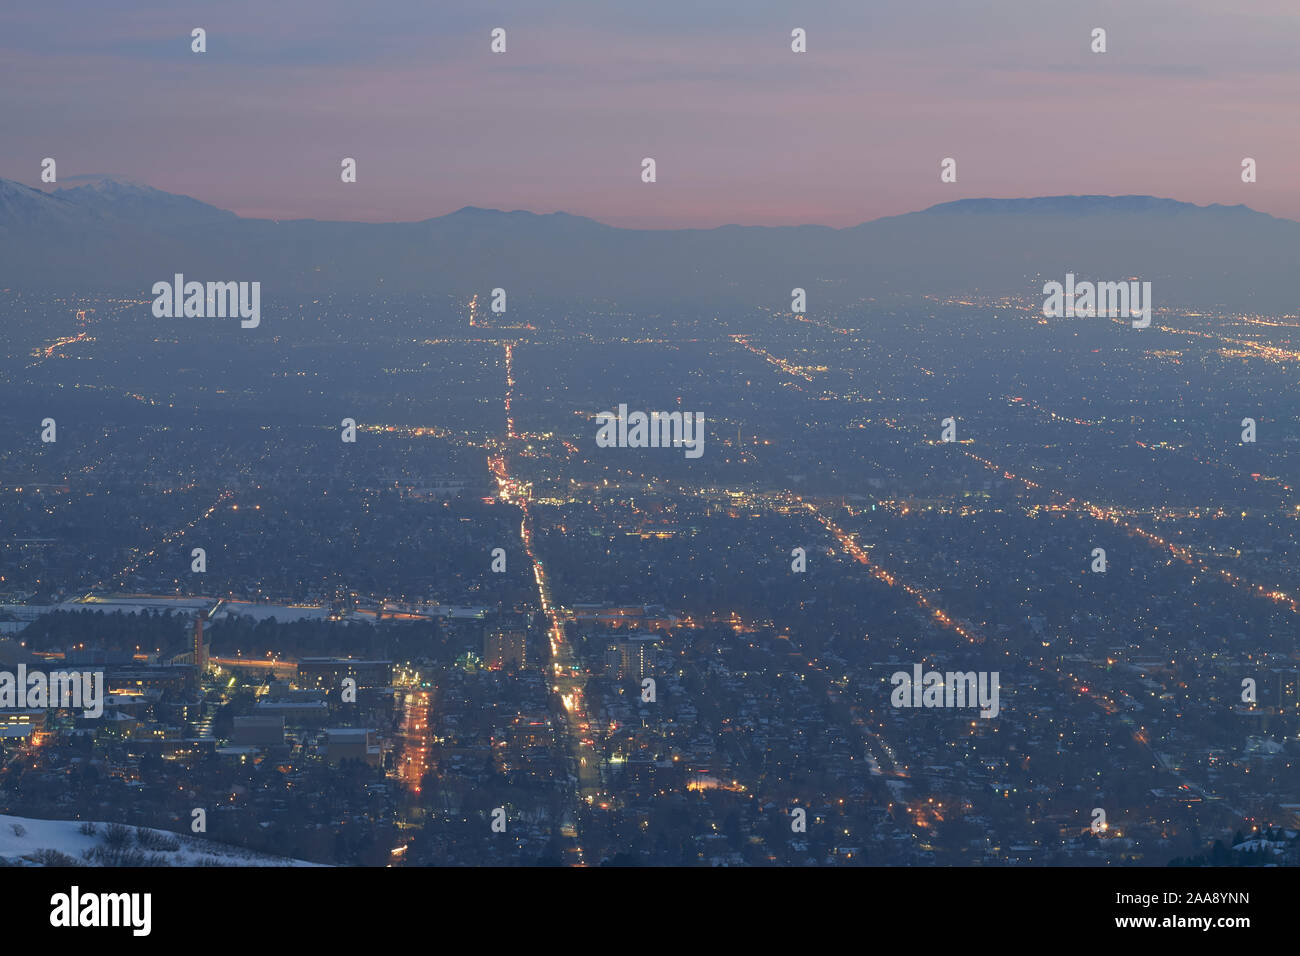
(25,841)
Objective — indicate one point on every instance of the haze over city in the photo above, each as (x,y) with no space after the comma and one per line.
(599,435)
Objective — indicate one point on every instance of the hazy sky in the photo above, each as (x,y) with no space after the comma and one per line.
(743,130)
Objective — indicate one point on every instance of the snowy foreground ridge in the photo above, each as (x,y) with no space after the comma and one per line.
(28,842)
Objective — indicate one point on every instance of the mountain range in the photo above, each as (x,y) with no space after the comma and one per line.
(115,236)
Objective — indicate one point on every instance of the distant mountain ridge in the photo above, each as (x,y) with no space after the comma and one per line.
(1084,205)
(115,198)
(117,236)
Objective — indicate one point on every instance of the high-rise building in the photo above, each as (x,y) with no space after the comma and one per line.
(1288,690)
(200,651)
(631,657)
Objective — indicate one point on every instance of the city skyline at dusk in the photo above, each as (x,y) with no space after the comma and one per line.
(462,439)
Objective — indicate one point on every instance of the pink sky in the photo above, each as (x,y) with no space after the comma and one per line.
(743,130)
